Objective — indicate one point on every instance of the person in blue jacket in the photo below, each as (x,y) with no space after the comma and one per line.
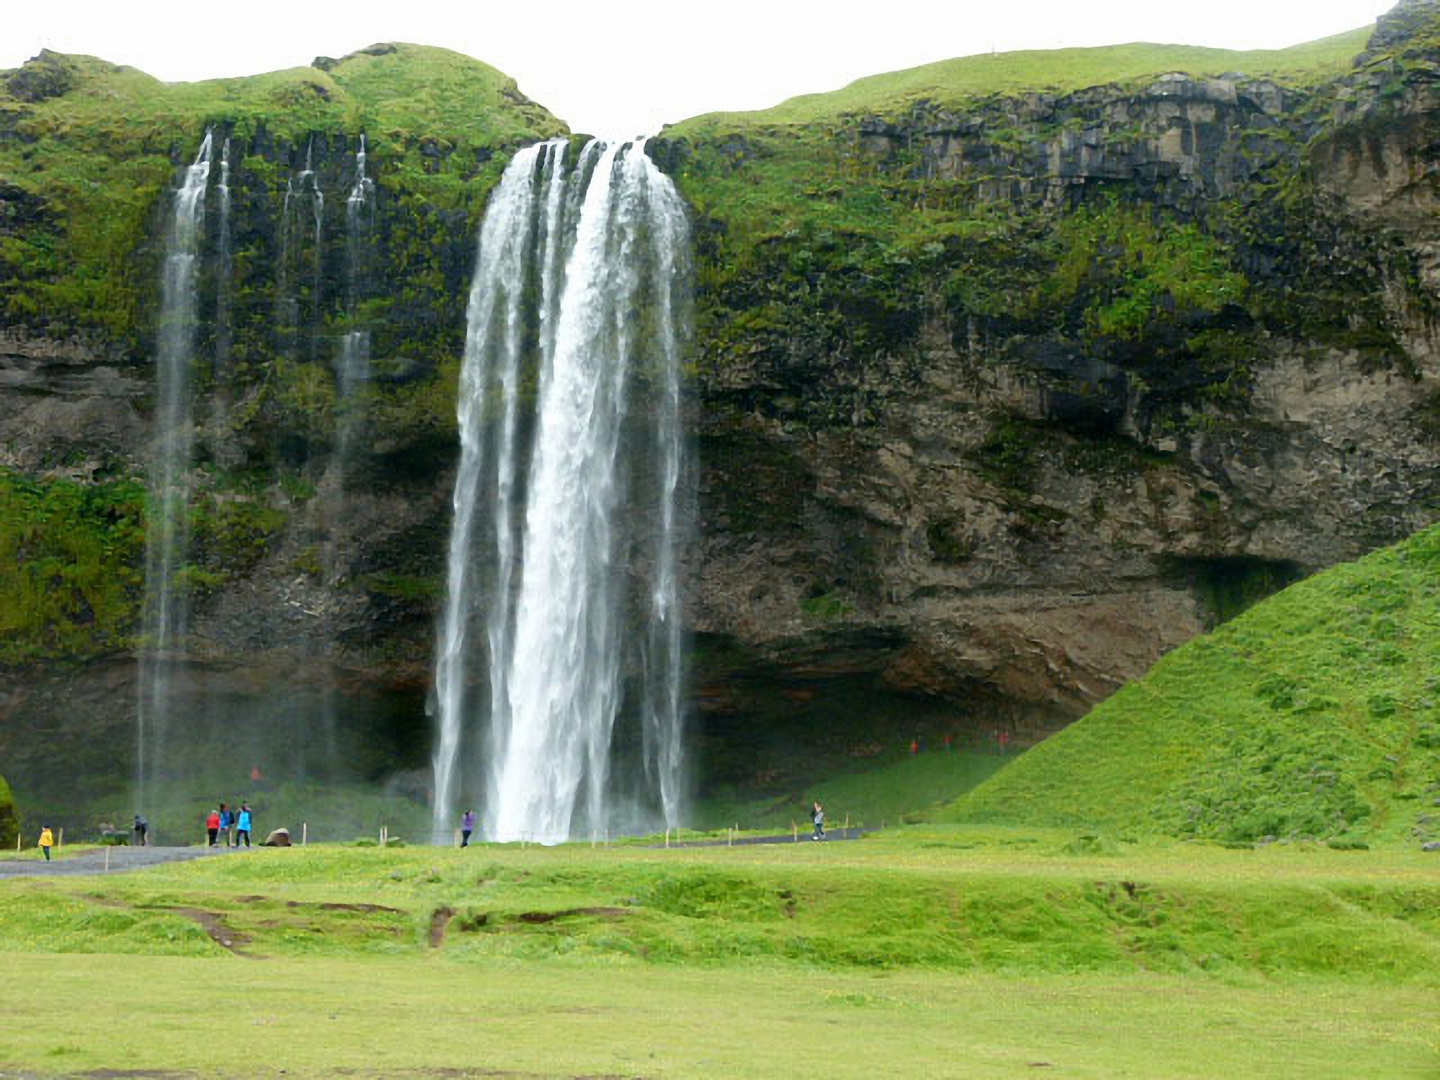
(243,825)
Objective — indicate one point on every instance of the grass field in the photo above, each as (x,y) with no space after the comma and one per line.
(954,951)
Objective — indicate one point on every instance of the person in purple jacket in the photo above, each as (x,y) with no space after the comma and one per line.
(467,826)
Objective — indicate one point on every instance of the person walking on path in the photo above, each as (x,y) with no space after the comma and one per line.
(243,824)
(212,826)
(227,822)
(467,826)
(817,815)
(47,841)
(142,831)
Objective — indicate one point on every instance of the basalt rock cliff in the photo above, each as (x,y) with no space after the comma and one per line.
(1004,386)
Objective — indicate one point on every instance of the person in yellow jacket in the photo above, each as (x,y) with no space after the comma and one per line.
(47,841)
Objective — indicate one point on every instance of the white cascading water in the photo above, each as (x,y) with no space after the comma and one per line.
(224,272)
(166,606)
(571,379)
(290,245)
(354,364)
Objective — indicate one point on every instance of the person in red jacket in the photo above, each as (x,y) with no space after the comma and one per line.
(212,826)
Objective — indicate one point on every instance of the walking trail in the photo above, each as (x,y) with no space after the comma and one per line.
(124,859)
(93,861)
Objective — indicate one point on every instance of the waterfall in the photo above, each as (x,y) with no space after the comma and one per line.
(357,204)
(166,606)
(291,252)
(224,273)
(354,365)
(352,377)
(317,275)
(571,379)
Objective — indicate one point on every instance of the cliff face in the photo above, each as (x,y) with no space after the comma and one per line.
(312,572)
(1024,390)
(999,394)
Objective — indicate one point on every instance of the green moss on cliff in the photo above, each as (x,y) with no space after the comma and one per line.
(9,817)
(832,227)
(70,566)
(1123,272)
(230,535)
(94,147)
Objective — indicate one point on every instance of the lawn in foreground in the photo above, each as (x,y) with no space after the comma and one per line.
(318,1017)
(967,951)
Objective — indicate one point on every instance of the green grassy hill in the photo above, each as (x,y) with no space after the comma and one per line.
(1316,713)
(962,79)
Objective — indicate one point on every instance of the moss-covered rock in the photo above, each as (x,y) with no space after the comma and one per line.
(1058,340)
(9,816)
(71,566)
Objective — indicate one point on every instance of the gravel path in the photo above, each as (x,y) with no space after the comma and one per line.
(123,859)
(93,862)
(802,837)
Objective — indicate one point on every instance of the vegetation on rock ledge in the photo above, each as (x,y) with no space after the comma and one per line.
(833,227)
(71,566)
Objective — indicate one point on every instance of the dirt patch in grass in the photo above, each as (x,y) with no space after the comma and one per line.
(220,933)
(335,906)
(534,917)
(331,905)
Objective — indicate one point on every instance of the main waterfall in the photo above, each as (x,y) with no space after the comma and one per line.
(568,505)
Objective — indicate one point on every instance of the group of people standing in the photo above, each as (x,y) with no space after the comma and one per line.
(234,825)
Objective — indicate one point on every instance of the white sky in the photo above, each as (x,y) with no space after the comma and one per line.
(621,67)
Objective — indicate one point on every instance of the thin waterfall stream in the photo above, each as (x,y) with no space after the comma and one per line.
(166,606)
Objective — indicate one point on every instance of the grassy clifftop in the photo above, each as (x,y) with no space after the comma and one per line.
(963,79)
(88,149)
(1316,713)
